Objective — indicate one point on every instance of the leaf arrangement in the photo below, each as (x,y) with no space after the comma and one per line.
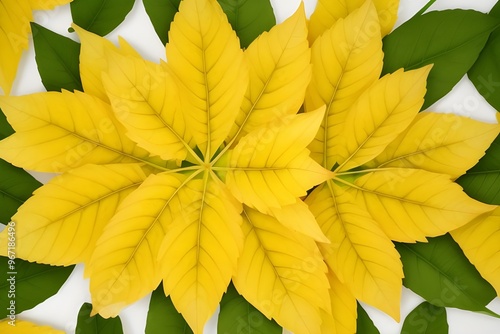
(283,172)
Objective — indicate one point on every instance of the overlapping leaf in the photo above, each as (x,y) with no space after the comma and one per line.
(452,144)
(145,99)
(163,317)
(88,324)
(480,241)
(273,59)
(82,201)
(59,131)
(210,70)
(201,248)
(100,16)
(439,272)
(365,325)
(343,317)
(161,13)
(238,315)
(34,282)
(268,170)
(328,12)
(56,71)
(347,60)
(282,274)
(249,18)
(386,109)
(15,17)
(410,204)
(360,253)
(450,39)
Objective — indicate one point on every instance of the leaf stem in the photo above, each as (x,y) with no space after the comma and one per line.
(424,9)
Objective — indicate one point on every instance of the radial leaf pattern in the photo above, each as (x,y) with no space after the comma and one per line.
(201,170)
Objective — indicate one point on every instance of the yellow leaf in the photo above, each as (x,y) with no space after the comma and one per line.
(298,217)
(279,63)
(59,131)
(270,167)
(205,56)
(282,274)
(347,59)
(328,12)
(15,17)
(124,265)
(344,309)
(144,97)
(440,143)
(93,60)
(200,251)
(480,241)
(410,204)
(47,4)
(383,111)
(360,254)
(25,327)
(81,203)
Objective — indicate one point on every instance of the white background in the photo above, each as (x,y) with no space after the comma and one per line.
(61,310)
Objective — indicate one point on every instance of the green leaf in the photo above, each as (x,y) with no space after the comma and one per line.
(161,13)
(100,16)
(449,39)
(16,186)
(426,319)
(57,58)
(485,73)
(96,324)
(481,181)
(239,316)
(34,283)
(5,128)
(440,273)
(365,325)
(249,18)
(163,317)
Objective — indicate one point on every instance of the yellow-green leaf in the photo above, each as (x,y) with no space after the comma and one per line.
(81,202)
(342,320)
(200,251)
(410,204)
(360,254)
(279,64)
(480,241)
(440,143)
(25,327)
(282,274)
(124,265)
(93,60)
(144,97)
(379,115)
(327,12)
(59,131)
(270,167)
(347,59)
(204,54)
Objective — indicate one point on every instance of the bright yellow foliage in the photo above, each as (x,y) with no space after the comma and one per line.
(328,12)
(25,327)
(393,168)
(480,241)
(15,18)
(155,169)
(193,171)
